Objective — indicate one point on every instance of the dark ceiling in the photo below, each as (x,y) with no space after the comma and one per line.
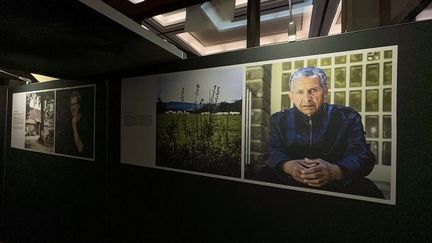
(67,39)
(149,8)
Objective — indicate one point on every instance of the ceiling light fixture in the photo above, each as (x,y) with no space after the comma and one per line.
(292,33)
(179,16)
(203,50)
(171,18)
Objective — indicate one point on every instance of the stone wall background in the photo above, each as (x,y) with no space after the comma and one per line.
(258,82)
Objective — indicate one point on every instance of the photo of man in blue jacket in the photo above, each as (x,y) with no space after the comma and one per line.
(318,145)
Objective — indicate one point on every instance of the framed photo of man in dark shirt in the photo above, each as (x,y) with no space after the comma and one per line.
(326,126)
(75,122)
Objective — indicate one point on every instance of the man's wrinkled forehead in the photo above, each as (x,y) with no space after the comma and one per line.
(314,80)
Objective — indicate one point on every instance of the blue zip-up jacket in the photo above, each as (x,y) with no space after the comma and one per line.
(334,134)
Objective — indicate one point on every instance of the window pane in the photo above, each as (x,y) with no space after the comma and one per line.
(340,77)
(339,98)
(298,64)
(372,74)
(386,156)
(372,126)
(356,57)
(356,76)
(328,74)
(373,145)
(372,56)
(325,61)
(387,73)
(387,93)
(388,54)
(312,63)
(286,66)
(355,100)
(285,82)
(340,60)
(387,126)
(285,102)
(372,100)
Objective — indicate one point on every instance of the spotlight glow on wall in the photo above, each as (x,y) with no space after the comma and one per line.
(136,1)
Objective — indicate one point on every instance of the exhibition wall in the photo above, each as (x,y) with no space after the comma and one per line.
(52,190)
(189,205)
(3,114)
(216,121)
(118,196)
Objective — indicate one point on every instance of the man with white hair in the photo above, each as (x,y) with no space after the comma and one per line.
(318,145)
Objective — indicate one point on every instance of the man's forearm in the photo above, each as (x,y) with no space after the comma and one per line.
(79,145)
(287,167)
(336,173)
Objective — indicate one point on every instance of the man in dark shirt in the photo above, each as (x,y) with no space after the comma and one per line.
(318,145)
(80,129)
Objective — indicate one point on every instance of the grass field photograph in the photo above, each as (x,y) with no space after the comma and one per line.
(199,121)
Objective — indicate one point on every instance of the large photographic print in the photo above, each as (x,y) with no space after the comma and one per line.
(40,121)
(292,146)
(199,121)
(218,122)
(56,121)
(75,122)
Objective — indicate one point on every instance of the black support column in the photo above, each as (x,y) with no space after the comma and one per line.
(253,23)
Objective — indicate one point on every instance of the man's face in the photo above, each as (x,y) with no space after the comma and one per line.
(74,106)
(307,94)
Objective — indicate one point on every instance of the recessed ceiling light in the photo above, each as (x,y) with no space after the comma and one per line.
(136,1)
